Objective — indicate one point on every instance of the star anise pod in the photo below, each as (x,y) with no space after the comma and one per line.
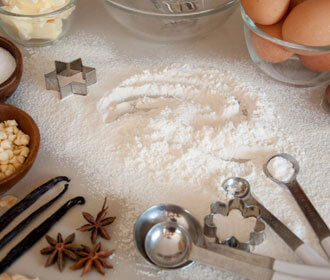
(96,226)
(58,249)
(90,258)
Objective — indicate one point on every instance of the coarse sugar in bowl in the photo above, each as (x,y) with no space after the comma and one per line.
(36,22)
(290,63)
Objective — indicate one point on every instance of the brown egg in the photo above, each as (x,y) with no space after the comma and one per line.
(319,63)
(266,50)
(266,12)
(308,24)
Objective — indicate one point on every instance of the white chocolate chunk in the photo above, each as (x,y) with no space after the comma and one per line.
(4,156)
(13,148)
(6,144)
(8,201)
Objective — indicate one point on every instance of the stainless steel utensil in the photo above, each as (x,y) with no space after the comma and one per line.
(315,220)
(166,213)
(242,190)
(69,69)
(218,207)
(169,245)
(177,215)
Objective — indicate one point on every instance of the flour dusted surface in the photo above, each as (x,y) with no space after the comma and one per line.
(191,123)
(181,130)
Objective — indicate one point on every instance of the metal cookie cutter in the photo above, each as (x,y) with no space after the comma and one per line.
(256,237)
(69,69)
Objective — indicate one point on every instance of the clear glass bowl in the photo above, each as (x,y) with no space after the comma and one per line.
(290,71)
(171,20)
(37,29)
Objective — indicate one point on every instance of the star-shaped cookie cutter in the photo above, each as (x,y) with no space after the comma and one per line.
(69,69)
(218,207)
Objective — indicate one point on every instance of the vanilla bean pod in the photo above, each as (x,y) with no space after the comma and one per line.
(27,201)
(10,235)
(38,233)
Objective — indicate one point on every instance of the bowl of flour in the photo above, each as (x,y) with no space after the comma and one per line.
(11,68)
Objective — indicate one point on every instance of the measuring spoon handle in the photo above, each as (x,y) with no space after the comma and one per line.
(305,252)
(229,264)
(315,220)
(325,243)
(310,256)
(279,269)
(303,271)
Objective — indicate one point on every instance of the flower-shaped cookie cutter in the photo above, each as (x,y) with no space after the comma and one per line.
(69,69)
(218,207)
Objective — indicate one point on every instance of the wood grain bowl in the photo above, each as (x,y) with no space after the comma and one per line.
(8,87)
(28,126)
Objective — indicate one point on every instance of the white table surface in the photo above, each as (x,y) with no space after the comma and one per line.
(310,127)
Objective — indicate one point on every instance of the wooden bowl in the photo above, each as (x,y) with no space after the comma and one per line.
(29,127)
(8,87)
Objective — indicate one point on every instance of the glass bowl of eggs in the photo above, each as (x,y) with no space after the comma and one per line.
(289,40)
(171,20)
(36,22)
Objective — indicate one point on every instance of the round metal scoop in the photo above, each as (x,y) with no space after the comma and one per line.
(240,186)
(168,245)
(166,213)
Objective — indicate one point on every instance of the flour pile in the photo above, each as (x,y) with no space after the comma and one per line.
(193,124)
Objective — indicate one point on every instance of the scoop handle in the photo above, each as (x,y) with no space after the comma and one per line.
(281,276)
(303,271)
(310,256)
(226,263)
(326,245)
(313,217)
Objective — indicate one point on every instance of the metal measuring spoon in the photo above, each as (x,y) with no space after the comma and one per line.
(169,245)
(315,220)
(242,190)
(176,214)
(166,213)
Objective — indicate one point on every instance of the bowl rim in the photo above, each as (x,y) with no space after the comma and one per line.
(223,7)
(32,156)
(16,53)
(70,4)
(252,26)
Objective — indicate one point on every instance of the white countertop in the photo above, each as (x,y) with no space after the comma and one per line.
(302,118)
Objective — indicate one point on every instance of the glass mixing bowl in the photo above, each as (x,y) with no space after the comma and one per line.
(171,20)
(291,71)
(32,30)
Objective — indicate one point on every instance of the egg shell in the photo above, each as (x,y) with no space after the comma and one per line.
(265,12)
(267,50)
(319,63)
(308,24)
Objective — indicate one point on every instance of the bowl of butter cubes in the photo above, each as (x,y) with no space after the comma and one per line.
(36,22)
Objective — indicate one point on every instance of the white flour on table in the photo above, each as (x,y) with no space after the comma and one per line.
(167,134)
(191,123)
